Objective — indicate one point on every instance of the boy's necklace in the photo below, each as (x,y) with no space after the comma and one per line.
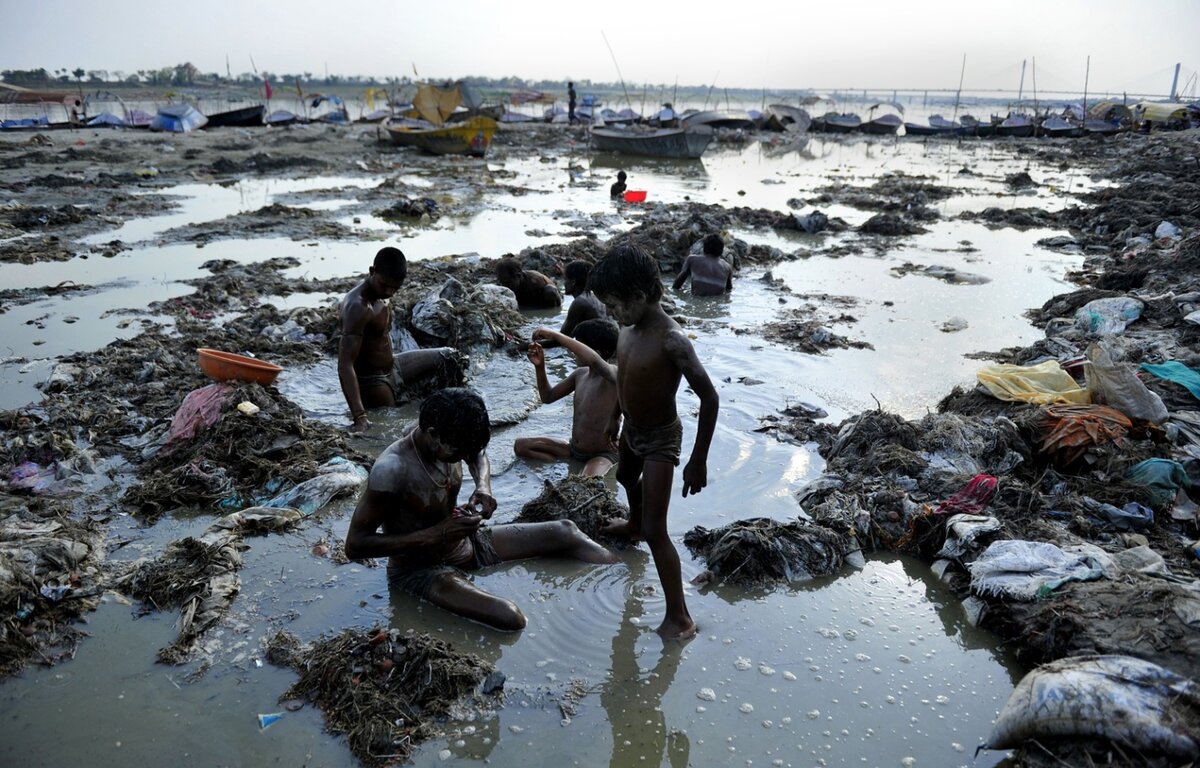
(446,483)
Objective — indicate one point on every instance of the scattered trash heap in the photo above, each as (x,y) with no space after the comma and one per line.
(1057,496)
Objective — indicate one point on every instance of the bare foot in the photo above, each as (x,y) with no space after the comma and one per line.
(621,529)
(672,629)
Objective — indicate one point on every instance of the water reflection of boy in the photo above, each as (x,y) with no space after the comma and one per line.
(634,707)
(412,495)
(370,373)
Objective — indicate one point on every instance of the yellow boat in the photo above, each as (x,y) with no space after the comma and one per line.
(435,105)
(472,136)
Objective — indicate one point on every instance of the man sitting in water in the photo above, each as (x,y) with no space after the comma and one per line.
(533,289)
(370,374)
(618,187)
(412,493)
(711,275)
(597,414)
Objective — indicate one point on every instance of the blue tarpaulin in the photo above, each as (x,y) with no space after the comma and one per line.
(178,118)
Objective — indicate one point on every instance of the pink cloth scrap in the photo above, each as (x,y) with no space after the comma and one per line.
(972,499)
(199,411)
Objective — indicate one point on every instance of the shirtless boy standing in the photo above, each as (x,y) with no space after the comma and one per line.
(653,354)
(711,275)
(597,415)
(370,373)
(412,493)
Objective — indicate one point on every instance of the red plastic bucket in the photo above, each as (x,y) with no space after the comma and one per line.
(635,196)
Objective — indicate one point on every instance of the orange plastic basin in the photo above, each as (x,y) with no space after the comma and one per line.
(226,366)
(635,196)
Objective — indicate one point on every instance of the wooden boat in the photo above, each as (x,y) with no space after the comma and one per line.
(882,125)
(1018,126)
(1058,127)
(471,137)
(1096,127)
(832,122)
(975,127)
(778,117)
(178,118)
(282,117)
(660,142)
(718,118)
(244,117)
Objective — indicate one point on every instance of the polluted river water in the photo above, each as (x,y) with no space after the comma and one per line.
(877,666)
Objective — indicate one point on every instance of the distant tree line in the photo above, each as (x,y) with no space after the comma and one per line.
(187,74)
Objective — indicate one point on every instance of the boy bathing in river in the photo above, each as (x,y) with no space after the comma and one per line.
(653,354)
(370,373)
(411,495)
(597,415)
(711,275)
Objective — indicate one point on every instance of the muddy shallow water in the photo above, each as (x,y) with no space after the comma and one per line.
(866,668)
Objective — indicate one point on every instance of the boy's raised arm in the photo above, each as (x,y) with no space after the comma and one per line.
(585,355)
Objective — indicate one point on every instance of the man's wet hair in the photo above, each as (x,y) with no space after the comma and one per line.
(509,268)
(390,262)
(714,245)
(600,334)
(624,271)
(578,271)
(459,416)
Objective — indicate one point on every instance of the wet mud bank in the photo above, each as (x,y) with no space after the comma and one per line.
(135,428)
(1057,498)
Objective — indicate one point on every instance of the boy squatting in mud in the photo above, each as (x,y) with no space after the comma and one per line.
(411,495)
(370,374)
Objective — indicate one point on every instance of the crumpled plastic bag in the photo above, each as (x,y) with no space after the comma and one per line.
(337,477)
(1138,704)
(1105,317)
(1026,570)
(1040,384)
(1116,384)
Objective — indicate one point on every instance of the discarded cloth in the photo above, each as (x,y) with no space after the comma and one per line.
(200,410)
(1027,570)
(972,499)
(963,533)
(1043,383)
(1163,476)
(1131,517)
(1067,430)
(1175,371)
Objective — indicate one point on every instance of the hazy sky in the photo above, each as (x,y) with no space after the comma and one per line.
(878,44)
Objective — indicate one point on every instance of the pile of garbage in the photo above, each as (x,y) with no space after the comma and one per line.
(384,689)
(586,501)
(199,575)
(1057,497)
(50,574)
(761,552)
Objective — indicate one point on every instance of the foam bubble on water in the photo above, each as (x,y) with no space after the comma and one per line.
(445,754)
(742,663)
(515,728)
(788,676)
(767,724)
(850,634)
(861,657)
(764,669)
(894,627)
(958,747)
(908,762)
(867,621)
(746,708)
(706,694)
(787,720)
(903,659)
(890,699)
(701,708)
(942,699)
(813,714)
(828,633)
